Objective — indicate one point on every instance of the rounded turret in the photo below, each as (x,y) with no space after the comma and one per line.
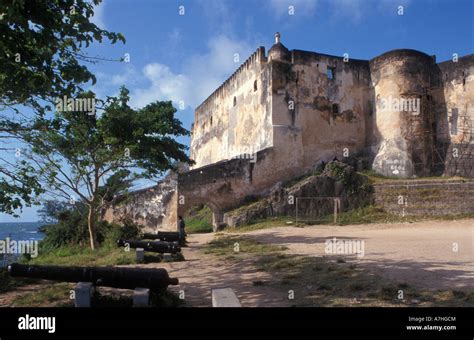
(403,119)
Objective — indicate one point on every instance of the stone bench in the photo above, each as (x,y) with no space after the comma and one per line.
(224,297)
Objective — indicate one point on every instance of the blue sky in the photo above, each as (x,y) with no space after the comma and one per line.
(184,58)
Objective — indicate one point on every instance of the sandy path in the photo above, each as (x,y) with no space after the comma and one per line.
(418,253)
(201,273)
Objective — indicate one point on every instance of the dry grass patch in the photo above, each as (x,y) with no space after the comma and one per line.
(233,247)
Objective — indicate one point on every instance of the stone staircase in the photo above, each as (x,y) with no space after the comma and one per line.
(426,197)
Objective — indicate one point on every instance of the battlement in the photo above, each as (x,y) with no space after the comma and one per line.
(257,57)
(303,57)
(467,59)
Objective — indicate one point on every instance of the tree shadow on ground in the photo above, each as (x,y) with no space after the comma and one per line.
(323,281)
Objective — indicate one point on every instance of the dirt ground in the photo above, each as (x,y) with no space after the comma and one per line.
(6,299)
(421,254)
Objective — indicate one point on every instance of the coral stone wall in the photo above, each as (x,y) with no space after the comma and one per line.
(154,208)
(236,118)
(326,113)
(456,116)
(458,86)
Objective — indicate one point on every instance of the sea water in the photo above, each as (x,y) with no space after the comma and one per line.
(18,231)
(21,230)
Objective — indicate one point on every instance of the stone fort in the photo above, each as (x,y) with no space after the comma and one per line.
(282,113)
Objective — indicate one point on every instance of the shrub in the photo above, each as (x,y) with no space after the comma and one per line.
(128,230)
(72,230)
(199,220)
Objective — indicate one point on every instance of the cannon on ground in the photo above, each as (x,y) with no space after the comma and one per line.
(153,246)
(167,236)
(156,279)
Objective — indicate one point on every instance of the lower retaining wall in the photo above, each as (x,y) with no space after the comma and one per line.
(309,199)
(426,197)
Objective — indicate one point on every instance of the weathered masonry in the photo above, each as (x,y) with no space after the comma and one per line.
(281,114)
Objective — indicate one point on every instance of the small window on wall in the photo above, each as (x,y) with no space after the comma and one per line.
(331,72)
(210,120)
(335,109)
(255,85)
(235,101)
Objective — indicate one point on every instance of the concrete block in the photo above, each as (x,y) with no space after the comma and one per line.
(83,293)
(140,255)
(141,297)
(224,297)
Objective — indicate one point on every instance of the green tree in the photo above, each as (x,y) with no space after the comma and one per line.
(66,223)
(52,209)
(93,156)
(41,59)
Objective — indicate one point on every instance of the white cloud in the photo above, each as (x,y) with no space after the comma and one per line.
(201,74)
(128,77)
(164,85)
(98,17)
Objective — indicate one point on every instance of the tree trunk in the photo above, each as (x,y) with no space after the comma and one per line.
(92,231)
